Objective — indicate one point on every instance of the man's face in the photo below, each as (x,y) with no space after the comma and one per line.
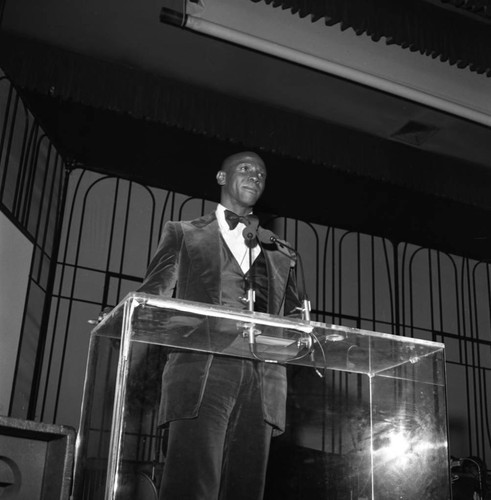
(243,178)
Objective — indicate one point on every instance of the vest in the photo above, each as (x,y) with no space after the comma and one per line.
(234,283)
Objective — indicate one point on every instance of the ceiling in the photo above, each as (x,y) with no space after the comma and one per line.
(121,92)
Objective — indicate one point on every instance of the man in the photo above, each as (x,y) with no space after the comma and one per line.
(221,411)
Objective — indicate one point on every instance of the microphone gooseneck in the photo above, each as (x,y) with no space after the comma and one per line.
(250,237)
(267,237)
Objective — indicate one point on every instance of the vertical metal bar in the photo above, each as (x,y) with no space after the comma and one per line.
(61,262)
(113,219)
(65,340)
(31,412)
(476,362)
(9,148)
(431,292)
(392,291)
(3,140)
(22,172)
(125,233)
(373,284)
(32,167)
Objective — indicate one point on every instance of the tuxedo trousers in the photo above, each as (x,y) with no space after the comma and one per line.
(222,454)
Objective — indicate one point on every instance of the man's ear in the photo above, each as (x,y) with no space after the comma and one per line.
(221,177)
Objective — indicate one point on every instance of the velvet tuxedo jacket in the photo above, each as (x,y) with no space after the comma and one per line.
(188,260)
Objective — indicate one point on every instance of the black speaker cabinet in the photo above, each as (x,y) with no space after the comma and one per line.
(36,460)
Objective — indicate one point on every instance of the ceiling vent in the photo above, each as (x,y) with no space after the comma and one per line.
(414,133)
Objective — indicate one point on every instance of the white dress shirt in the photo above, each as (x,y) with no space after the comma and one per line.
(235,240)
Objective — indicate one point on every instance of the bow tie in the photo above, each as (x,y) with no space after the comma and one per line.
(233,219)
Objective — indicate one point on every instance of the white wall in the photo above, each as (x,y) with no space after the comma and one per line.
(15,262)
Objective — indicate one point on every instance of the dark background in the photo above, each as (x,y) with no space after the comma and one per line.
(338,153)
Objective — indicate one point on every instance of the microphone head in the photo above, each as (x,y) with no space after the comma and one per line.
(250,231)
(267,237)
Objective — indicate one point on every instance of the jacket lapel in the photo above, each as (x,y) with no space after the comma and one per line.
(202,240)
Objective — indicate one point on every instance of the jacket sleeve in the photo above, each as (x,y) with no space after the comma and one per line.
(161,276)
(293,303)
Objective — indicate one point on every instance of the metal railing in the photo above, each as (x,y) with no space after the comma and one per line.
(103,231)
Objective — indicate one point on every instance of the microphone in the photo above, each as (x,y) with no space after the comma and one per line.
(250,231)
(268,236)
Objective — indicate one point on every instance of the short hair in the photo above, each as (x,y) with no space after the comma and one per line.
(233,158)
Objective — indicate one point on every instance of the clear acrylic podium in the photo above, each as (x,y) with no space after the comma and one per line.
(366,411)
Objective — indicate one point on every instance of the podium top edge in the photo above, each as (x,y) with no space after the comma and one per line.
(139,298)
